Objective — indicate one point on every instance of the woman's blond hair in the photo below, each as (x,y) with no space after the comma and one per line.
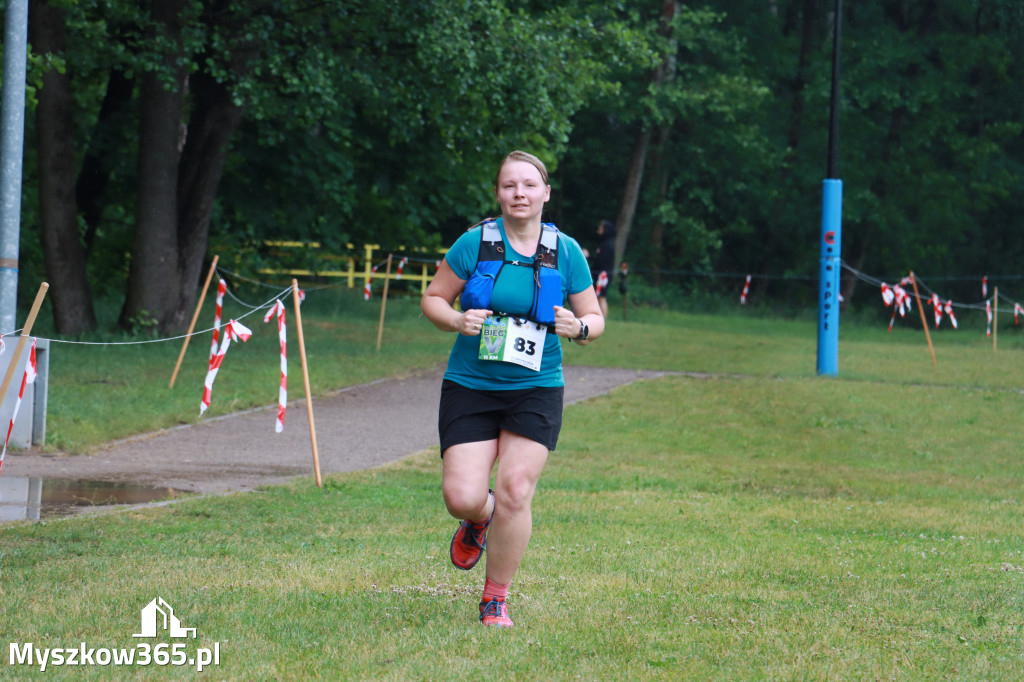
(528,158)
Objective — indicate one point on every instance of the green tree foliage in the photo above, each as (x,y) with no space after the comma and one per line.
(929,136)
(389,124)
(930,141)
(328,121)
(204,126)
(710,153)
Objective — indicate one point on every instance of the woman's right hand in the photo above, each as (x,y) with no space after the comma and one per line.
(472,321)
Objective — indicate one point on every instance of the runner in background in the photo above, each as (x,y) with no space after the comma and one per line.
(501,398)
(604,262)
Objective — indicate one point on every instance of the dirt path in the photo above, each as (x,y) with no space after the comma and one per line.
(357,428)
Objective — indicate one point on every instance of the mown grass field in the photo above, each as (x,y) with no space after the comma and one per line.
(744,520)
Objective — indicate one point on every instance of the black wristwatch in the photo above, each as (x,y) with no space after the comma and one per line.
(584,331)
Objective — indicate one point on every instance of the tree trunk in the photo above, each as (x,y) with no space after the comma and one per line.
(631,193)
(108,135)
(179,178)
(638,158)
(808,45)
(214,120)
(154,277)
(62,243)
(660,168)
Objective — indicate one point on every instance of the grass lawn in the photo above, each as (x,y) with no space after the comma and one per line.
(746,520)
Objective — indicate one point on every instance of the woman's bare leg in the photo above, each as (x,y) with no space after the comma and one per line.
(520,462)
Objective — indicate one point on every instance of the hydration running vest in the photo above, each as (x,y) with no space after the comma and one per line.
(547,292)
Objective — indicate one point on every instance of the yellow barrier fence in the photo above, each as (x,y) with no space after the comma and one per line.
(420,270)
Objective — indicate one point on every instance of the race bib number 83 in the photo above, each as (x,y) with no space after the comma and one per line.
(515,340)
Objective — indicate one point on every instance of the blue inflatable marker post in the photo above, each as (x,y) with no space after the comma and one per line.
(831,227)
(828,277)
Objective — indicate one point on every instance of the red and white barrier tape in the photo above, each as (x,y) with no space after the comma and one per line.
(984,286)
(949,312)
(222,288)
(897,298)
(602,282)
(233,330)
(746,290)
(282,395)
(28,378)
(937,307)
(1017,310)
(366,287)
(401,267)
(988,313)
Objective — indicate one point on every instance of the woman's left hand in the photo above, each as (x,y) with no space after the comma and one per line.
(566,323)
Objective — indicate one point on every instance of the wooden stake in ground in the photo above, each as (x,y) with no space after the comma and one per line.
(29,321)
(195,317)
(383,302)
(305,381)
(995,316)
(924,322)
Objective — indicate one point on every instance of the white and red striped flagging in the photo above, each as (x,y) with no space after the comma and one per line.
(28,378)
(222,288)
(277,310)
(233,330)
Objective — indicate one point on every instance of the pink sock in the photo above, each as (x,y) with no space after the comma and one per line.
(493,590)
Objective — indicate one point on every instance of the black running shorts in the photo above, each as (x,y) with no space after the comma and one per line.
(468,415)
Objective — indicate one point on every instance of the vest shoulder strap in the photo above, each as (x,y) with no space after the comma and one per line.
(549,236)
(547,249)
(491,245)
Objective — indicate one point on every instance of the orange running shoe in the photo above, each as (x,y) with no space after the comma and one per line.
(495,613)
(469,542)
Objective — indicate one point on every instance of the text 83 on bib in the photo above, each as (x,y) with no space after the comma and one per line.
(513,339)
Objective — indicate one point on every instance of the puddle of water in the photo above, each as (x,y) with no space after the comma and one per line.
(40,498)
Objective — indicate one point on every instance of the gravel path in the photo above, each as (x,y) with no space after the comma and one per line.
(357,428)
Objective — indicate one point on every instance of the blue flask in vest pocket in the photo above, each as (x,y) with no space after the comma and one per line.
(476,295)
(547,295)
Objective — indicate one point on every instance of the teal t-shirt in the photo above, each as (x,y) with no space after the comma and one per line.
(513,294)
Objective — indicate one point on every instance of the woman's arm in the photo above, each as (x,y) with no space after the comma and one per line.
(438,301)
(585,308)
